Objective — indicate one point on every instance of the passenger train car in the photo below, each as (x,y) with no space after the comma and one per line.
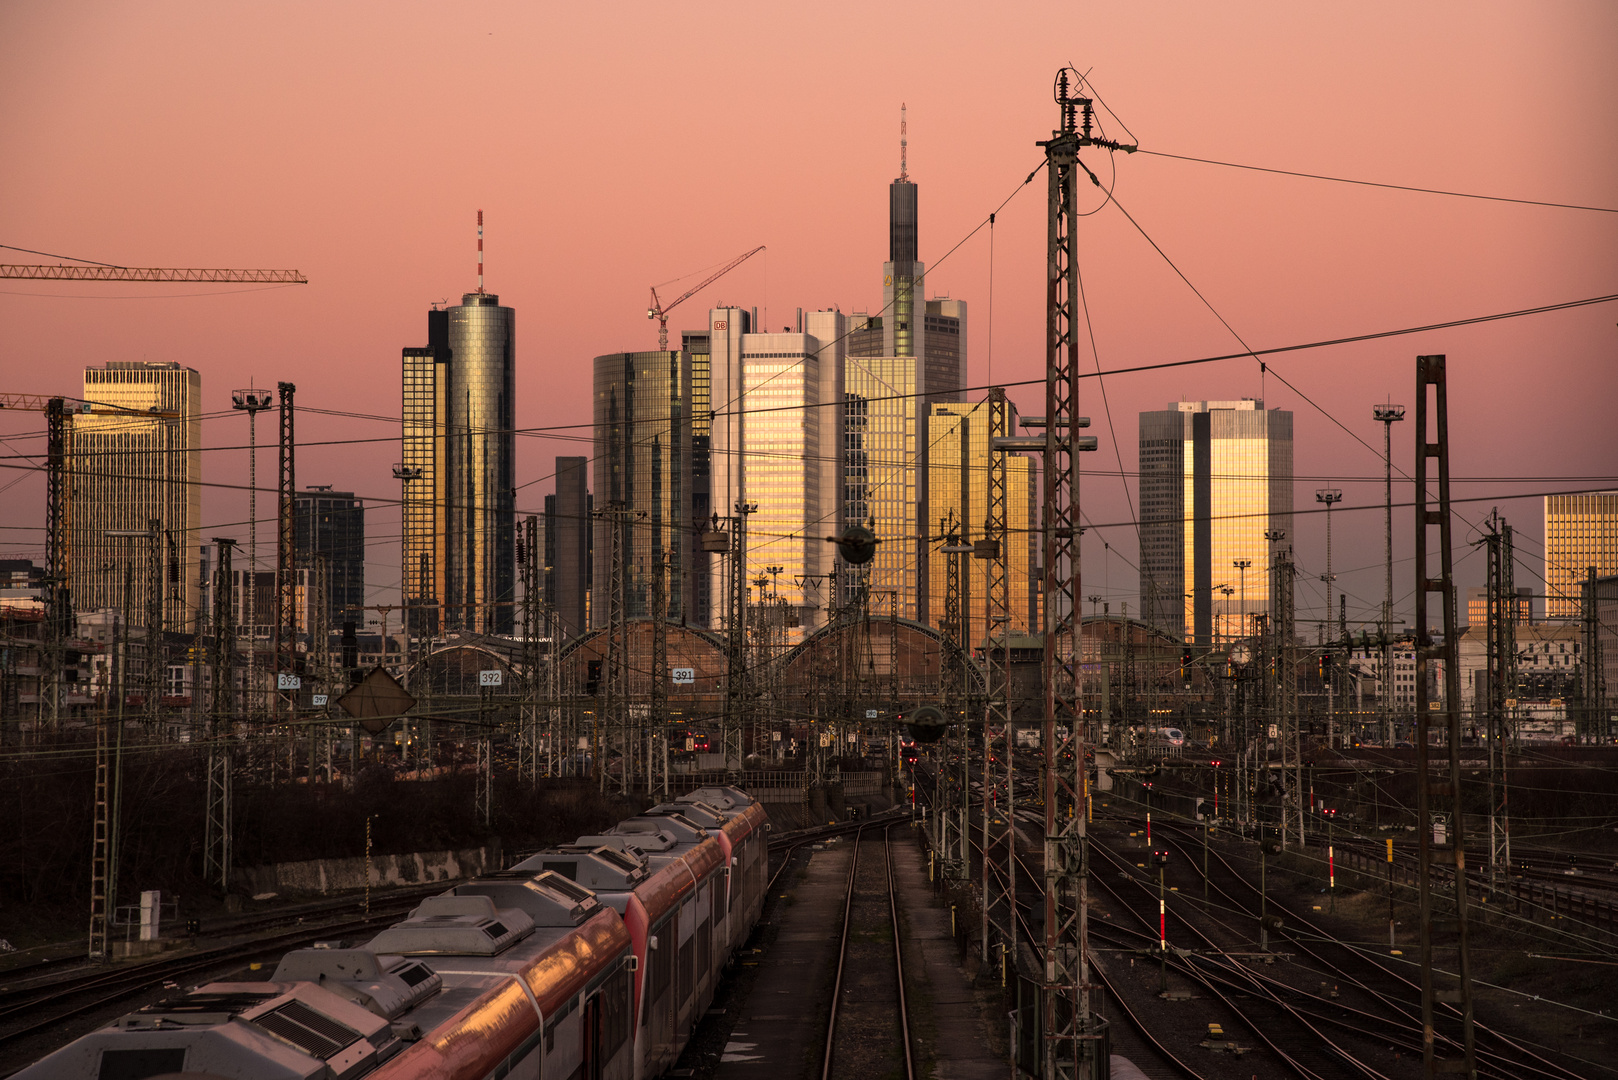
(589,961)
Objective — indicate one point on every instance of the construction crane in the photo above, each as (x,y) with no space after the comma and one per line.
(58,272)
(661,313)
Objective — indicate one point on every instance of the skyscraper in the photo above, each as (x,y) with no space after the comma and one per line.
(960,455)
(643,476)
(127,471)
(332,524)
(775,411)
(567,547)
(458,469)
(1214,477)
(1581,531)
(900,362)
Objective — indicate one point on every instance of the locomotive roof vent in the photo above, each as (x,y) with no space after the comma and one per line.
(386,985)
(708,817)
(547,899)
(723,796)
(455,925)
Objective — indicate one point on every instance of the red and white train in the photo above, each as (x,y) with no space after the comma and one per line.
(590,961)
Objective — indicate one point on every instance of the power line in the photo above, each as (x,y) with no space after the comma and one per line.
(1378,184)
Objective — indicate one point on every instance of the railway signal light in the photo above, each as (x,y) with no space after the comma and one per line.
(1185,665)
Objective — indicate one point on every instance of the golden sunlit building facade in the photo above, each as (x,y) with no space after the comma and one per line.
(128,471)
(776,410)
(958,490)
(1215,476)
(1581,531)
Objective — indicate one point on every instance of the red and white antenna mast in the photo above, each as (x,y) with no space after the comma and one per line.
(480,252)
(904,146)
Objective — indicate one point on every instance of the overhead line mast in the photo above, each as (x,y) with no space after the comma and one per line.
(1072,1033)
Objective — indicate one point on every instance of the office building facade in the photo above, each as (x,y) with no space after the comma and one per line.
(958,486)
(1214,477)
(775,410)
(330,525)
(567,547)
(1581,531)
(900,363)
(127,471)
(642,482)
(458,463)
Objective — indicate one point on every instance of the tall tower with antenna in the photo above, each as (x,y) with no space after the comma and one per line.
(459,415)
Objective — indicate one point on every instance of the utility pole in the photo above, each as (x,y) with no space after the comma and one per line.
(153,640)
(1071,1030)
(997,707)
(615,678)
(1387,415)
(1283,625)
(59,621)
(252,401)
(286,557)
(952,826)
(657,745)
(529,622)
(1438,721)
(1594,677)
(1329,496)
(1500,690)
(217,823)
(736,697)
(1242,565)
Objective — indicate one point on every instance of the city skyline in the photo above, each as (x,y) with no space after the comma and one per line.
(1284,259)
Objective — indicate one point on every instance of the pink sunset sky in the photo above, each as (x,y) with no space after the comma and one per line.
(616,146)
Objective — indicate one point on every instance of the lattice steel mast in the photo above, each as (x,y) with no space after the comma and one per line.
(1442,724)
(1070,1029)
(1502,683)
(286,554)
(217,825)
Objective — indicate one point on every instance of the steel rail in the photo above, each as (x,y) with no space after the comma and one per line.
(1508,1066)
(842,956)
(898,953)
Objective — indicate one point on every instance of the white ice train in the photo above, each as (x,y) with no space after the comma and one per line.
(590,961)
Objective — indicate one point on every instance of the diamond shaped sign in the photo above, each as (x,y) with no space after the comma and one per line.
(377,701)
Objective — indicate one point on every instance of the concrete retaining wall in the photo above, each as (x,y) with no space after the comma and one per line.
(325,876)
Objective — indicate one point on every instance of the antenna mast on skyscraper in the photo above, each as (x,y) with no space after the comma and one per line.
(480,252)
(904,146)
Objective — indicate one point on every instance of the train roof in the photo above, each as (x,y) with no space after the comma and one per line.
(385,985)
(453,925)
(548,898)
(722,796)
(266,1030)
(601,868)
(488,995)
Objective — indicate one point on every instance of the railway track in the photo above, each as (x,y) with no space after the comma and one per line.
(1389,1000)
(868,1008)
(46,1010)
(1326,1010)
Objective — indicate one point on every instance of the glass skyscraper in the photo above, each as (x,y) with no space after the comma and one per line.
(1214,477)
(332,523)
(457,452)
(126,471)
(643,468)
(901,362)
